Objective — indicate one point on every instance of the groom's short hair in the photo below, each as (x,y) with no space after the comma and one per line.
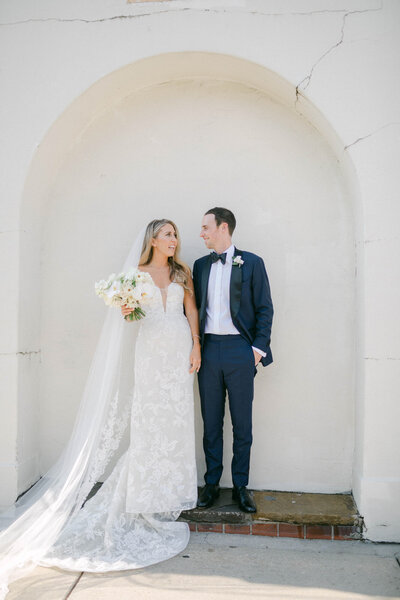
(223,215)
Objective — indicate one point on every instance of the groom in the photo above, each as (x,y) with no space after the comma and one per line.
(235,311)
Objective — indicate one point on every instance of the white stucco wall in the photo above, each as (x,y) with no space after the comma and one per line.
(323,193)
(177,150)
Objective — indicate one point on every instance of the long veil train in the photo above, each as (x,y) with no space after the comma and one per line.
(33,524)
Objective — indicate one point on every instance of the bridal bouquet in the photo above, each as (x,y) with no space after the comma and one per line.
(133,288)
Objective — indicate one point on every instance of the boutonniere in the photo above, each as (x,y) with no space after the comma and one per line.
(237,261)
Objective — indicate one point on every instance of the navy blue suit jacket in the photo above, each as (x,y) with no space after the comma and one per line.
(250,299)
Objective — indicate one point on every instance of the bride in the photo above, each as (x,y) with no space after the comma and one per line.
(142,375)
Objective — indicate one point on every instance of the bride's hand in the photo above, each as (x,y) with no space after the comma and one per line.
(195,358)
(126,310)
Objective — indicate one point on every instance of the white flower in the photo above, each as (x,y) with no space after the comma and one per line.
(143,291)
(130,301)
(237,261)
(116,300)
(143,277)
(115,287)
(148,290)
(100,287)
(127,287)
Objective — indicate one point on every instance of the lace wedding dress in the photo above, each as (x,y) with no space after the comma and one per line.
(139,384)
(131,521)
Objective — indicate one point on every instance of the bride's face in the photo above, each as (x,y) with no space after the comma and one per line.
(166,241)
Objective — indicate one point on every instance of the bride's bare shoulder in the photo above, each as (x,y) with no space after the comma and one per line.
(147,269)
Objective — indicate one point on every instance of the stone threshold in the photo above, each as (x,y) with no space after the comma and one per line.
(282,514)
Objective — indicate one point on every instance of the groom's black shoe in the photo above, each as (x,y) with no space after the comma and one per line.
(208,495)
(243,498)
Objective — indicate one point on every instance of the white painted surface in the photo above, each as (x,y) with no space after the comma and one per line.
(345,58)
(177,150)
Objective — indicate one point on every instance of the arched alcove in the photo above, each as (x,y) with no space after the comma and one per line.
(171,136)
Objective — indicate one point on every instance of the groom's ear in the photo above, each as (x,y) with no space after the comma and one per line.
(224,227)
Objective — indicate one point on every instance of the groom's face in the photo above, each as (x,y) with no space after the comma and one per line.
(210,231)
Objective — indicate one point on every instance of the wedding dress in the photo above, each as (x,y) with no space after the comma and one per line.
(130,522)
(139,377)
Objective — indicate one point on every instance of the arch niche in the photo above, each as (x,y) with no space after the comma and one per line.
(174,135)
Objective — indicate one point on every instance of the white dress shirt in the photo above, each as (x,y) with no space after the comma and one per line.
(218,313)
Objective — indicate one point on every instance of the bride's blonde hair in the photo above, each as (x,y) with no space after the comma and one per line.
(178,270)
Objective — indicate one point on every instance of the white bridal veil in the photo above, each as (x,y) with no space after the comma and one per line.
(31,526)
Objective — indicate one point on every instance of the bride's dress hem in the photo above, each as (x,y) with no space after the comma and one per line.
(83,566)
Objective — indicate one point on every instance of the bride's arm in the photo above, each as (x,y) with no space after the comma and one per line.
(192,315)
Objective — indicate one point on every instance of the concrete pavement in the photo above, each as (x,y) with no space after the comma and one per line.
(235,567)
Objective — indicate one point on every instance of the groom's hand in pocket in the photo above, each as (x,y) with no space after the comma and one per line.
(257,357)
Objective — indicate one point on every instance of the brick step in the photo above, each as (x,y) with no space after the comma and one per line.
(282,514)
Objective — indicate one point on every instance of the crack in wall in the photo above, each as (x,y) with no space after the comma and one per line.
(307,78)
(375,240)
(21,353)
(78,20)
(364,137)
(231,11)
(382,358)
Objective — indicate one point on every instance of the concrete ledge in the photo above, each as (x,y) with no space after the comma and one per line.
(302,508)
(282,514)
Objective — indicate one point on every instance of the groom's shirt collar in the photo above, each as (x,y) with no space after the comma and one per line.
(229,252)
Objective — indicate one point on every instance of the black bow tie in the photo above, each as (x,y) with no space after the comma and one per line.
(215,257)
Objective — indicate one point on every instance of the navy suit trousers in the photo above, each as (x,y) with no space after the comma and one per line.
(227,366)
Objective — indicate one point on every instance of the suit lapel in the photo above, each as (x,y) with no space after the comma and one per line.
(205,276)
(235,286)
